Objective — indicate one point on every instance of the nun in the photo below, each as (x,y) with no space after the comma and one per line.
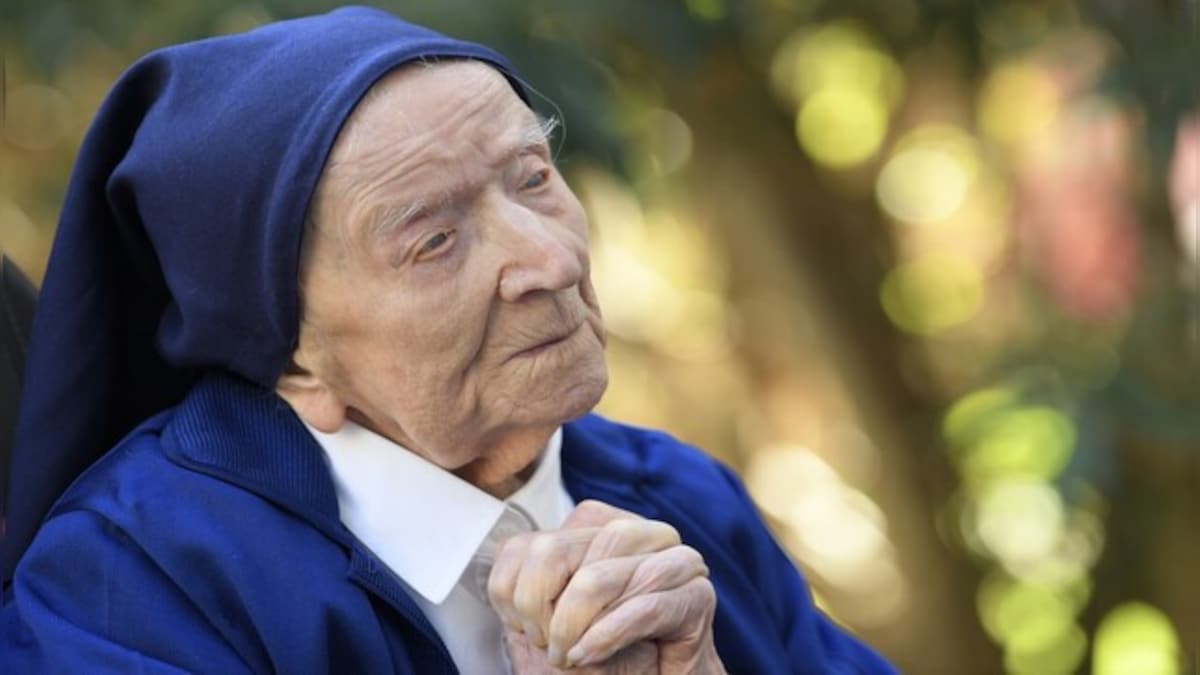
(309,391)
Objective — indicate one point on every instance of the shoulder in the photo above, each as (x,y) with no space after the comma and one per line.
(198,528)
(129,475)
(140,542)
(94,587)
(675,481)
(647,457)
(139,489)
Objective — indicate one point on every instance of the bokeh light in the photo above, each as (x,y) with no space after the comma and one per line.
(841,128)
(992,436)
(837,55)
(1018,102)
(929,176)
(657,277)
(1046,650)
(1019,520)
(1136,638)
(662,140)
(1036,624)
(844,87)
(922,186)
(1009,606)
(837,531)
(933,293)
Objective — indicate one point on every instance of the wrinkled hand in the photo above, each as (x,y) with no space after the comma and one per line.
(609,590)
(526,659)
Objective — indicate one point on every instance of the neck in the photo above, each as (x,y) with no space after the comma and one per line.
(507,466)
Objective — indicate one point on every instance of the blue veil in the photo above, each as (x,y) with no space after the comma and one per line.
(178,246)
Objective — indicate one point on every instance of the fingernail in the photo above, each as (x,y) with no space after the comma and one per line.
(575,656)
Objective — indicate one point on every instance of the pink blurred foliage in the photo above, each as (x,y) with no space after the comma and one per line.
(1076,221)
(1184,176)
(1183,182)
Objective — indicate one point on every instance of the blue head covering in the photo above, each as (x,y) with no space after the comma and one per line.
(178,246)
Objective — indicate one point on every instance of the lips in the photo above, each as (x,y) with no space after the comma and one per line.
(548,343)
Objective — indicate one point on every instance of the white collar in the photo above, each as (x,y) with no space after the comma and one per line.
(422,521)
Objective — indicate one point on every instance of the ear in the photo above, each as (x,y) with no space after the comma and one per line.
(311,397)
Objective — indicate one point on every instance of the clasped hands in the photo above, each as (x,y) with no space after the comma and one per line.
(609,592)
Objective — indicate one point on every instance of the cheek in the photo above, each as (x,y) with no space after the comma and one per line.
(435,333)
(573,215)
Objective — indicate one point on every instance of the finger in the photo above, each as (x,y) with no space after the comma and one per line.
(681,615)
(502,582)
(550,560)
(607,583)
(664,571)
(626,536)
(636,659)
(593,513)
(589,591)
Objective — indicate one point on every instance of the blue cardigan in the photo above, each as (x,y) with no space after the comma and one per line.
(208,541)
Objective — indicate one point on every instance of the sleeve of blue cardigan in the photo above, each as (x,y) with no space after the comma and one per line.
(86,598)
(784,590)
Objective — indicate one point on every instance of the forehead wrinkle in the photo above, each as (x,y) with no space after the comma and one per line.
(368,164)
(363,178)
(384,218)
(382,153)
(385,106)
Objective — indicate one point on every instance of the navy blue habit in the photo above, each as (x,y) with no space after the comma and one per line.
(207,539)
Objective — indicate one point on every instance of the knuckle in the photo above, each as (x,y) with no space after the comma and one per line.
(513,547)
(672,567)
(495,595)
(607,540)
(693,558)
(587,581)
(542,545)
(705,592)
(500,582)
(525,604)
(668,532)
(592,507)
(620,527)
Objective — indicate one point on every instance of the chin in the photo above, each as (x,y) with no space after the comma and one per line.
(581,398)
(576,392)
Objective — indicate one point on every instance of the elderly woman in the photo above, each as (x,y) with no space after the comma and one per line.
(324,289)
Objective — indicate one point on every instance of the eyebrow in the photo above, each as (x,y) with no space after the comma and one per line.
(388,218)
(540,131)
(535,134)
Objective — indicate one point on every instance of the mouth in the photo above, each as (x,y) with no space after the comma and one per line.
(547,345)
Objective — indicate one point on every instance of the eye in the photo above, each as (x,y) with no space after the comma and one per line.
(435,243)
(538,179)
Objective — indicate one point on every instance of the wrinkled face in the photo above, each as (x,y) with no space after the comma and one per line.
(446,302)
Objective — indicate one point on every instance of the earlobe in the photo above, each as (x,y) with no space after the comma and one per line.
(311,398)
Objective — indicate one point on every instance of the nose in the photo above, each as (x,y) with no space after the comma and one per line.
(544,255)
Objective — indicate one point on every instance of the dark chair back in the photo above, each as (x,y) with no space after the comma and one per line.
(17,296)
